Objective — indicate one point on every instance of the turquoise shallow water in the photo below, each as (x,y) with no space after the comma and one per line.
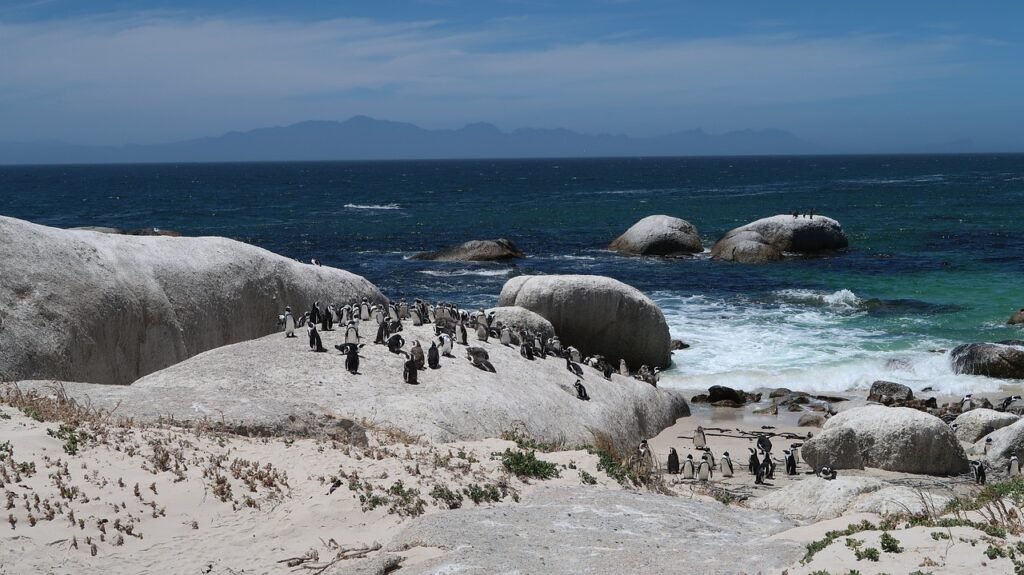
(935,257)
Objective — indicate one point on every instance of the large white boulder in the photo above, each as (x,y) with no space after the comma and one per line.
(522,318)
(891,438)
(475,251)
(1004,359)
(977,423)
(659,236)
(815,499)
(274,385)
(769,238)
(1006,442)
(598,315)
(103,308)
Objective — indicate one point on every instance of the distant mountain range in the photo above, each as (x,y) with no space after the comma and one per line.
(363,138)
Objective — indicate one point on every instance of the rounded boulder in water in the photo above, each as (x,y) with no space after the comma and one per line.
(659,236)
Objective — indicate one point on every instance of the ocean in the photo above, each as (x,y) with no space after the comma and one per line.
(936,253)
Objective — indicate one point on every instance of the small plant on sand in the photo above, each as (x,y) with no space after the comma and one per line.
(890,544)
(446,498)
(528,443)
(816,546)
(994,552)
(869,553)
(487,493)
(6,450)
(938,535)
(70,435)
(586,478)
(1000,503)
(525,464)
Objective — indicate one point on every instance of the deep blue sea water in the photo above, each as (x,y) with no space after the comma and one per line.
(936,252)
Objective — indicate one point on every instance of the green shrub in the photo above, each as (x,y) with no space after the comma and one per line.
(586,478)
(478,494)
(869,553)
(525,464)
(445,497)
(890,544)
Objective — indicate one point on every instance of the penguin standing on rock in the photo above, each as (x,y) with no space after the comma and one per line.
(433,357)
(769,465)
(315,343)
(352,333)
(395,343)
(827,472)
(289,322)
(351,352)
(1013,468)
(410,371)
(418,356)
(689,472)
(790,462)
(623,369)
(673,461)
(978,471)
(726,464)
(446,345)
(704,472)
(581,392)
(573,368)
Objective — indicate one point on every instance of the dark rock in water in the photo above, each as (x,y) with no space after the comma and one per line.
(726,403)
(717,393)
(923,404)
(770,410)
(929,388)
(780,392)
(1017,318)
(659,236)
(1004,359)
(889,393)
(475,251)
(677,345)
(702,398)
(769,238)
(795,398)
(794,407)
(811,420)
(830,399)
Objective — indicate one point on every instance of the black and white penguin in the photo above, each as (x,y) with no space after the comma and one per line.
(315,262)
(446,345)
(763,443)
(710,457)
(481,332)
(673,461)
(327,319)
(403,309)
(364,310)
(988,445)
(461,334)
(315,343)
(506,335)
(769,464)
(555,346)
(395,343)
(689,471)
(383,333)
(479,358)
(526,350)
(573,368)
(410,373)
(314,313)
(978,471)
(352,333)
(417,355)
(574,354)
(760,472)
(704,472)
(753,463)
(433,357)
(827,472)
(581,392)
(700,441)
(1007,401)
(289,322)
(351,352)
(1013,468)
(726,464)
(967,403)
(393,313)
(623,369)
(790,462)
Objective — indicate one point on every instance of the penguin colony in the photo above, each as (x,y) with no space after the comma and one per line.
(452,327)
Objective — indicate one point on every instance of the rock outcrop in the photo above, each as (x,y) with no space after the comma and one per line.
(522,318)
(602,532)
(768,239)
(889,393)
(659,236)
(817,499)
(96,307)
(1004,359)
(598,315)
(977,423)
(475,251)
(277,385)
(1017,318)
(890,438)
(1006,442)
(722,396)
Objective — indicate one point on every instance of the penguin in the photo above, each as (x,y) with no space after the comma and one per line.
(581,392)
(303,320)
(410,372)
(573,368)
(526,351)
(726,465)
(763,443)
(623,369)
(352,333)
(289,323)
(608,371)
(433,357)
(431,315)
(710,457)
(314,313)
(699,439)
(988,445)
(506,335)
(393,313)
(759,473)
(689,471)
(556,346)
(574,354)
(395,343)
(753,463)
(417,355)
(769,466)
(417,319)
(704,472)
(1013,468)
(326,318)
(481,332)
(479,358)
(446,345)
(461,334)
(315,262)
(1007,401)
(967,403)
(790,462)
(673,461)
(364,310)
(378,315)
(382,334)
(827,472)
(978,471)
(351,352)
(315,343)
(403,309)
(794,448)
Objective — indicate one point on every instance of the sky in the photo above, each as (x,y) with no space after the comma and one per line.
(857,76)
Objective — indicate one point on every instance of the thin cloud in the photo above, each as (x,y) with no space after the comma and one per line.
(153,77)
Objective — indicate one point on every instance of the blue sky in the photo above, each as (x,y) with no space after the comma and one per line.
(864,76)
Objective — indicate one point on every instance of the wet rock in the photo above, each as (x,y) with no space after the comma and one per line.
(811,420)
(890,393)
(677,345)
(659,236)
(1017,318)
(475,251)
(769,238)
(1004,360)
